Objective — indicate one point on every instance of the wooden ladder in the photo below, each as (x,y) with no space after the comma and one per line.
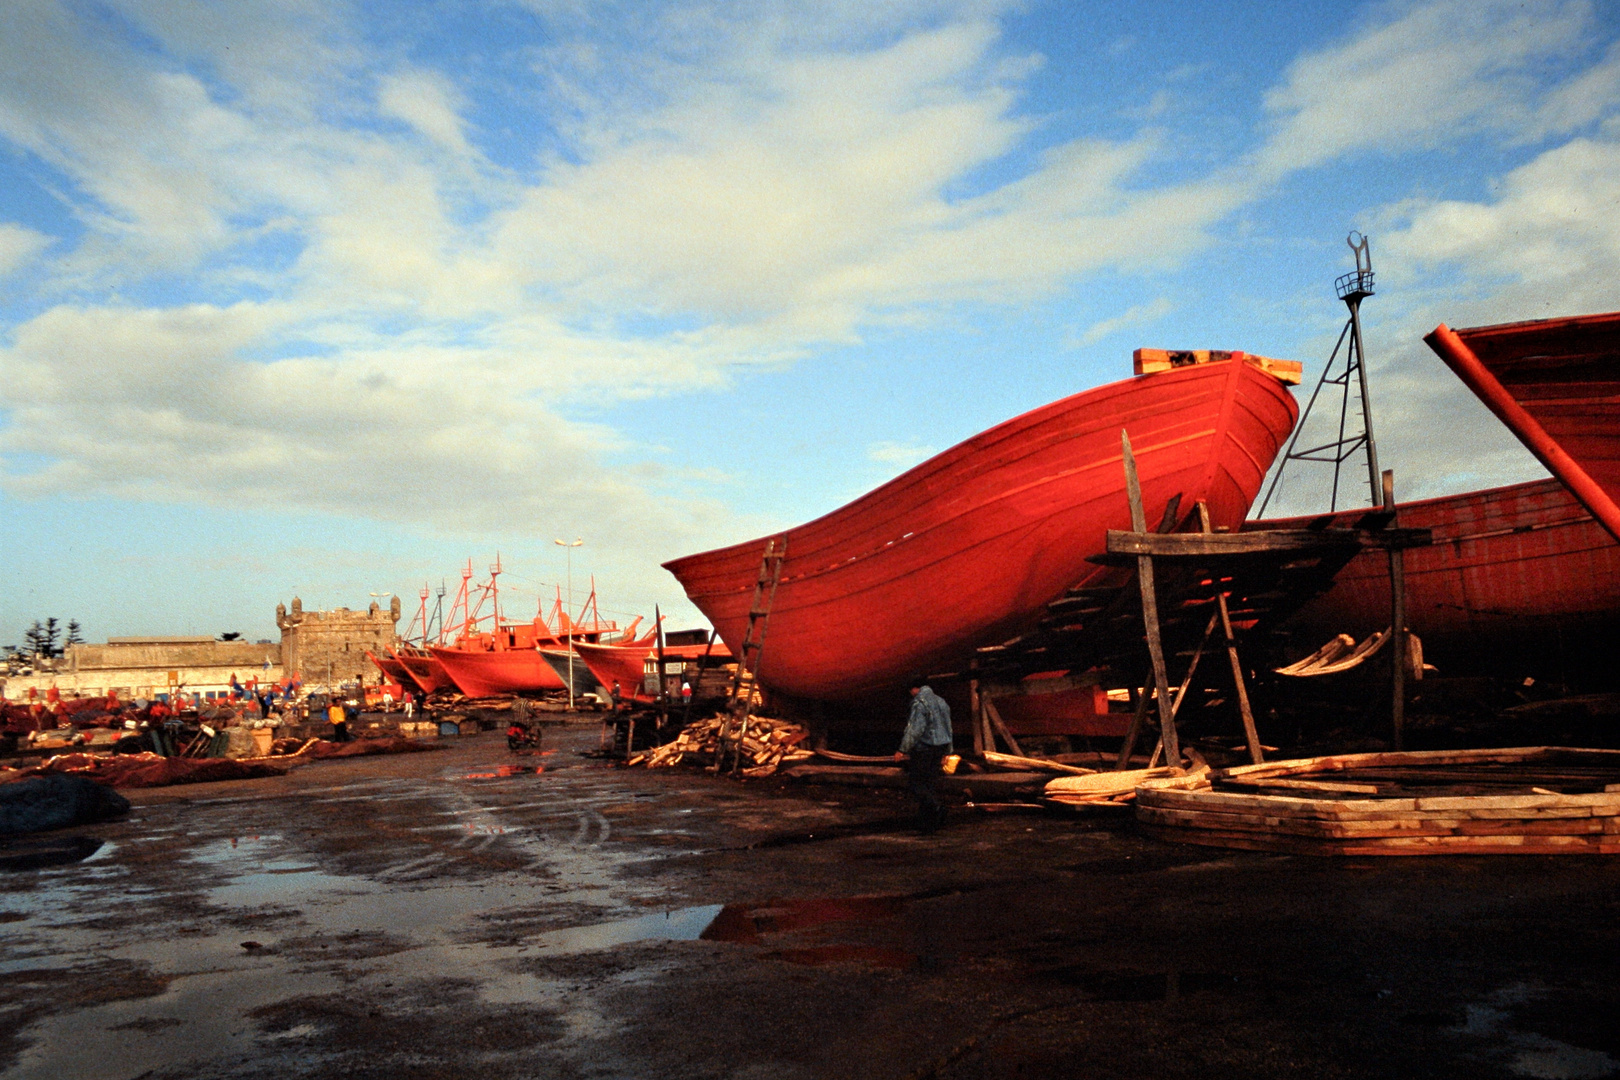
(744,684)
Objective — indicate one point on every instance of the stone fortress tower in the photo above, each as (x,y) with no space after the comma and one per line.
(329,647)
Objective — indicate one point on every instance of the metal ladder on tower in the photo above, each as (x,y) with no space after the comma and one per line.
(746,682)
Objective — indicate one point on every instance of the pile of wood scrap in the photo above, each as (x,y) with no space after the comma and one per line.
(1119,788)
(1525,801)
(765,742)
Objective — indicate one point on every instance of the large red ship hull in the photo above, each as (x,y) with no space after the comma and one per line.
(970,546)
(394,671)
(1511,570)
(1556,384)
(490,673)
(427,672)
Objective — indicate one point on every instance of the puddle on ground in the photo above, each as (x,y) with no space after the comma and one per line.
(1528,1053)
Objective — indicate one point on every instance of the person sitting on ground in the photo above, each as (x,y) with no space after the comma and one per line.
(923,748)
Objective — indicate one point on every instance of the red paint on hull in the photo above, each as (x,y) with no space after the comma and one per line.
(626,664)
(1510,562)
(1082,711)
(393,671)
(491,673)
(1556,384)
(428,672)
(970,546)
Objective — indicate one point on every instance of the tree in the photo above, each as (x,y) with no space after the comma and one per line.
(234,635)
(73,635)
(41,638)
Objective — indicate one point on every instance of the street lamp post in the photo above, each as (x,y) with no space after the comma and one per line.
(569,549)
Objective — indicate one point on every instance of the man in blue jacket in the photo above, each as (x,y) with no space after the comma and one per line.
(923,747)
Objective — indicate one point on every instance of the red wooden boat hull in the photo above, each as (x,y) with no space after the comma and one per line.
(393,671)
(1511,569)
(428,673)
(626,664)
(969,547)
(492,673)
(1556,384)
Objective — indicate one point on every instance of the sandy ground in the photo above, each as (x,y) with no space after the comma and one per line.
(426,916)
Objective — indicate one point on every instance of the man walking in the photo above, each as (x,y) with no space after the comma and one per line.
(923,747)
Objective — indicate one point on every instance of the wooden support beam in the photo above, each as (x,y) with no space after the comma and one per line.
(1150,605)
(1148,361)
(1056,684)
(1138,718)
(975,720)
(994,718)
(1124,545)
(1250,735)
(1397,620)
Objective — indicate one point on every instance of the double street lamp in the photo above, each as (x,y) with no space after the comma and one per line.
(569,548)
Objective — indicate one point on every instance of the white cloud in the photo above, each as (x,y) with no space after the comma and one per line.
(750,182)
(1553,229)
(427,102)
(1135,315)
(1433,74)
(19,247)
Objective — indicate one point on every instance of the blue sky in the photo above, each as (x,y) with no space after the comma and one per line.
(323,299)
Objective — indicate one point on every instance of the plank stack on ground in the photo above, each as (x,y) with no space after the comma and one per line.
(1119,788)
(1524,801)
(767,743)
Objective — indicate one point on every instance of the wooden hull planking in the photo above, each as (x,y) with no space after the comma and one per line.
(970,546)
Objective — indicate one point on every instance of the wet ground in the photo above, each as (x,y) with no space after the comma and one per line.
(461,914)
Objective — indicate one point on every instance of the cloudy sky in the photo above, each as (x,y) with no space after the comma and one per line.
(315,298)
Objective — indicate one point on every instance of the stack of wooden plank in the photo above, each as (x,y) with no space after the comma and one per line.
(1523,801)
(767,743)
(1119,788)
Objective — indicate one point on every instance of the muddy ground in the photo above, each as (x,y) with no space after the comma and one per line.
(427,916)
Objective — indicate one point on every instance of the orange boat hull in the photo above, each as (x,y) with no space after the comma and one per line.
(393,671)
(427,672)
(626,664)
(969,547)
(489,674)
(1556,384)
(1511,569)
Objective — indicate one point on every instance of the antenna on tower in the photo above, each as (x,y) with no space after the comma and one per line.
(1352,288)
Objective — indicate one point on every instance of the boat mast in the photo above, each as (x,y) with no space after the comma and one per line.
(1352,288)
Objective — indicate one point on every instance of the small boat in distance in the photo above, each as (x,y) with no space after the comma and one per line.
(969,547)
(506,658)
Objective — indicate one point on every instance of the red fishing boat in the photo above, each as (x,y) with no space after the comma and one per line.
(1556,384)
(1521,577)
(506,658)
(394,671)
(970,546)
(1510,568)
(626,665)
(427,672)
